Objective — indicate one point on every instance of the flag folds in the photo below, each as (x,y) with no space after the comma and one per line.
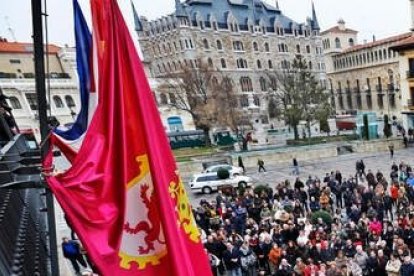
(123,194)
(83,40)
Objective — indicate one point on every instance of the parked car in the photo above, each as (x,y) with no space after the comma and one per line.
(232,169)
(209,182)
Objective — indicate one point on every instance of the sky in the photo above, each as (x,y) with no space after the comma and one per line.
(381,18)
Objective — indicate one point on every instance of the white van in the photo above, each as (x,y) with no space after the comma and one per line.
(209,182)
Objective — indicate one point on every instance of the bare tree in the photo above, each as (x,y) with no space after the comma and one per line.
(298,96)
(207,94)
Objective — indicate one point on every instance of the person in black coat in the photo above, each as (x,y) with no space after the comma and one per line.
(231,259)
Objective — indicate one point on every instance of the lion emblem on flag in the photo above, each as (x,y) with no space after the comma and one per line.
(142,237)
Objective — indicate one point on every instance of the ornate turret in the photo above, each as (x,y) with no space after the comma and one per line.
(315,23)
(179,10)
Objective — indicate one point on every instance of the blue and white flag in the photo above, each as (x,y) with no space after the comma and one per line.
(84,62)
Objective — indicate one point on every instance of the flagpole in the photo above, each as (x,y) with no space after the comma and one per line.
(44,129)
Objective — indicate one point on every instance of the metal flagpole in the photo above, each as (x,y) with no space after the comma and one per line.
(44,129)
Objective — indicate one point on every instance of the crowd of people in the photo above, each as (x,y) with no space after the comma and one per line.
(359,225)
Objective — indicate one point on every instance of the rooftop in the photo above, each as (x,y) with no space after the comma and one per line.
(396,38)
(337,29)
(19,47)
(405,44)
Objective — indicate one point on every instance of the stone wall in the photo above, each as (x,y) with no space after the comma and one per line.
(377,145)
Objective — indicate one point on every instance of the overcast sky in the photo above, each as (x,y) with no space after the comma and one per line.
(370,17)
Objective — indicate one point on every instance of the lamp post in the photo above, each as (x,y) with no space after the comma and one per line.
(44,129)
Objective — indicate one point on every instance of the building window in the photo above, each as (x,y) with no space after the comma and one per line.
(255,46)
(15,103)
(270,64)
(175,124)
(32,100)
(238,46)
(205,44)
(69,101)
(337,43)
(163,99)
(173,100)
(246,84)
(266,46)
(58,102)
(351,42)
(380,101)
(308,49)
(244,101)
(210,62)
(223,63)
(298,49)
(219,45)
(263,84)
(242,63)
(14,61)
(256,100)
(259,64)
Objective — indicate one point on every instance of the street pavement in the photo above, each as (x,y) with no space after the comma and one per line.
(345,163)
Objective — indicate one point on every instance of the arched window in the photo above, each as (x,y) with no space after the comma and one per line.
(69,101)
(246,84)
(390,77)
(58,102)
(351,42)
(298,49)
(337,43)
(210,62)
(308,49)
(163,99)
(270,64)
(263,84)
(219,45)
(15,103)
(259,64)
(266,46)
(255,46)
(205,44)
(223,63)
(242,63)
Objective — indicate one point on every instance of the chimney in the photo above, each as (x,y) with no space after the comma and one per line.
(373,38)
(412,14)
(341,23)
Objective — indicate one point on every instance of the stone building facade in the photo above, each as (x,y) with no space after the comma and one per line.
(405,49)
(363,77)
(245,39)
(18,83)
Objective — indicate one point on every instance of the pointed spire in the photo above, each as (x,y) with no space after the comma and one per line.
(137,21)
(315,23)
(179,10)
(277,5)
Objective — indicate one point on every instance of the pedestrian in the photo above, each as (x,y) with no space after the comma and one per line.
(241,165)
(405,140)
(231,258)
(260,163)
(72,251)
(295,166)
(391,148)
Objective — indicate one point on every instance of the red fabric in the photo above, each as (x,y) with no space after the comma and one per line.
(375,227)
(124,170)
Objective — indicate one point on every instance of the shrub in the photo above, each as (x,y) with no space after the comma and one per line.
(223,174)
(326,217)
